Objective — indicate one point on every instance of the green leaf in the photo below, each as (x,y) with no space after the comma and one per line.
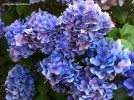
(127,33)
(29,62)
(120,94)
(42,86)
(24,10)
(7,18)
(20,9)
(120,13)
(114,34)
(125,36)
(133,19)
(27,11)
(127,29)
(3,43)
(10,15)
(58,96)
(130,39)
(128,5)
(127,44)
(42,97)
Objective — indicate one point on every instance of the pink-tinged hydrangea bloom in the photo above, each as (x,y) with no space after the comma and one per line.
(106,4)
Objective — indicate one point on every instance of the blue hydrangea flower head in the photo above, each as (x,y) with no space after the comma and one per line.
(92,89)
(2,28)
(109,60)
(128,83)
(129,80)
(131,56)
(19,84)
(128,74)
(73,79)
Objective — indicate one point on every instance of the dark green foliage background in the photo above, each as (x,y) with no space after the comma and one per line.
(123,17)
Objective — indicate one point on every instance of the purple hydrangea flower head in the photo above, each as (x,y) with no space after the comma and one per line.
(37,33)
(56,68)
(41,29)
(109,59)
(83,22)
(19,84)
(18,44)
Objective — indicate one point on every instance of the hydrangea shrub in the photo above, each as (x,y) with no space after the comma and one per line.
(86,53)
